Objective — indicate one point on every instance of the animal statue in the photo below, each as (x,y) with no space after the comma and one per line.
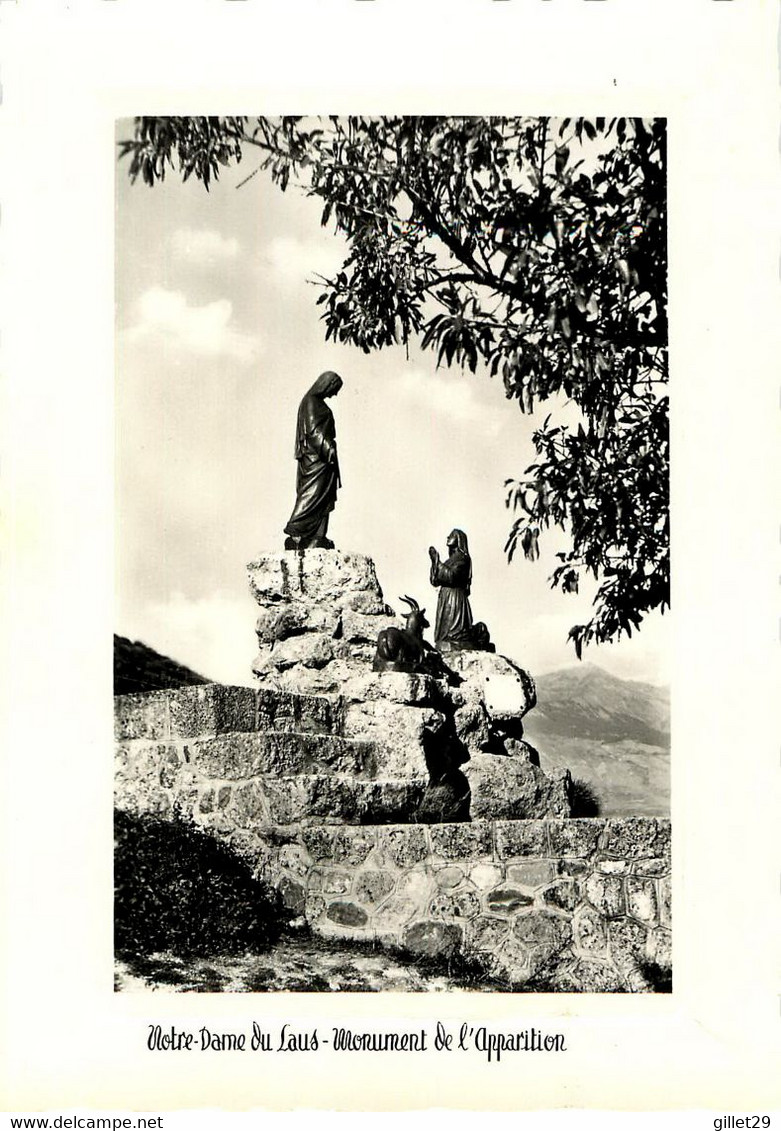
(403,649)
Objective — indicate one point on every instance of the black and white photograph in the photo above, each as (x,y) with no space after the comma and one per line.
(393,555)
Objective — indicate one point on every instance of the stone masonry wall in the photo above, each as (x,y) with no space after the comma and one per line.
(233,758)
(568,904)
(319,796)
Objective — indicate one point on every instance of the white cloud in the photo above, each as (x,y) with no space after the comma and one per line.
(449,394)
(296,260)
(643,656)
(202,245)
(214,635)
(204,330)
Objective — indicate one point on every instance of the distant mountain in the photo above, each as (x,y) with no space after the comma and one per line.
(612,733)
(138,667)
(594,704)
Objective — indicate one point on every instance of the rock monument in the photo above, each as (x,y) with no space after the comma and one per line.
(456,738)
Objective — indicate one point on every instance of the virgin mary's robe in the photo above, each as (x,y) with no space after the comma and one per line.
(317,479)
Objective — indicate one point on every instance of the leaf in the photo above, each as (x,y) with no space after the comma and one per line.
(575,634)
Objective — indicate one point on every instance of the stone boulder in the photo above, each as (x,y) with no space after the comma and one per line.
(445,801)
(321,612)
(491,698)
(402,735)
(513,788)
(328,578)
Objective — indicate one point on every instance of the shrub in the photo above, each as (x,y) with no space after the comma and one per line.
(659,977)
(584,801)
(177,888)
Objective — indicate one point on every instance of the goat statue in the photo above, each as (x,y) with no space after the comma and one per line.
(404,649)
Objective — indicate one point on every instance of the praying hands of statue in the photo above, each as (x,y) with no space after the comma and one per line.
(433,553)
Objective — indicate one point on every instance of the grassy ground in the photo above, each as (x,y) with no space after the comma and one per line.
(299,962)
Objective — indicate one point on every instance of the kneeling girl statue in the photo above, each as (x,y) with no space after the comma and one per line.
(454,629)
(317,479)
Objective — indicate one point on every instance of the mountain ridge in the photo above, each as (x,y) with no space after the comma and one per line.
(611,733)
(595,704)
(139,668)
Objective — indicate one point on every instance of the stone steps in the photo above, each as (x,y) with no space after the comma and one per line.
(314,799)
(157,778)
(239,755)
(213,708)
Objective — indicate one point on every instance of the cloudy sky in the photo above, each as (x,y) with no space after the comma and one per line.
(218,338)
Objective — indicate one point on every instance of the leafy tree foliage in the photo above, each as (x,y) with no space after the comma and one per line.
(532,248)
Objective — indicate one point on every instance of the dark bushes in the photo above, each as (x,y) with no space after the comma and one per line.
(584,801)
(178,889)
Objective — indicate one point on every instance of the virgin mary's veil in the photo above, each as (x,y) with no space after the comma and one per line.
(327,383)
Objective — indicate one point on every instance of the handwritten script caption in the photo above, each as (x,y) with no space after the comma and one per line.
(435,1038)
